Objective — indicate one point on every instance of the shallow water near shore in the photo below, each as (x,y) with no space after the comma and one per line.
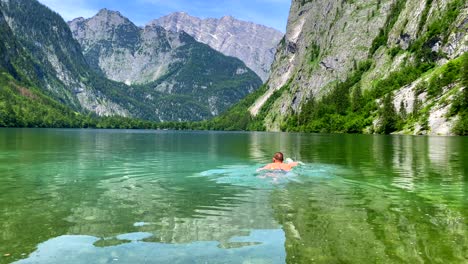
(134,196)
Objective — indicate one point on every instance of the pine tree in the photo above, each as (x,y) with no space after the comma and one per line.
(403,113)
(357,99)
(416,106)
(388,115)
(10,117)
(307,111)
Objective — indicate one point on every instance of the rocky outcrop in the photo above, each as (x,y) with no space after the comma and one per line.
(254,44)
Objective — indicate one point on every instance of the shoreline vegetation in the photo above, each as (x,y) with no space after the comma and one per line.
(27,107)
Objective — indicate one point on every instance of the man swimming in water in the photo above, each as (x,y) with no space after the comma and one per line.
(278,163)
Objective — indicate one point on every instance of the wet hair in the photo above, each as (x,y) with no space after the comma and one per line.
(278,156)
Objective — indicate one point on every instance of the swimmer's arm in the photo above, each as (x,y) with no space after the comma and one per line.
(293,164)
(266,167)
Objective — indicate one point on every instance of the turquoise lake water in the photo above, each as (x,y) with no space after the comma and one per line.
(134,196)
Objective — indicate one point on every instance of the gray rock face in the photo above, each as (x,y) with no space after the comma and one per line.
(254,44)
(325,39)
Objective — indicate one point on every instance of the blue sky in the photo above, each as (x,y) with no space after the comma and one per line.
(272,13)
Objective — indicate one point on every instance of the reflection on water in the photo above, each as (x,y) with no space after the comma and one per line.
(71,196)
(257,247)
(404,199)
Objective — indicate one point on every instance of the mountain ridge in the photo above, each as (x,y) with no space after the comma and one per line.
(252,43)
(172,64)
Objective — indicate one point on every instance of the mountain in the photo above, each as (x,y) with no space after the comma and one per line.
(43,66)
(252,43)
(385,66)
(193,80)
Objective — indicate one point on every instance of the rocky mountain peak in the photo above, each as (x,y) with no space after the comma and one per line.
(106,25)
(174,21)
(227,18)
(104,12)
(110,18)
(180,14)
(77,20)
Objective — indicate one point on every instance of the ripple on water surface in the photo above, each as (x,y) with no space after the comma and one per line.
(250,176)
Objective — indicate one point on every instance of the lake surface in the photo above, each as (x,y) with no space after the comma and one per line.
(132,196)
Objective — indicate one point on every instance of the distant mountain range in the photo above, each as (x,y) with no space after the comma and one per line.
(254,44)
(173,63)
(155,74)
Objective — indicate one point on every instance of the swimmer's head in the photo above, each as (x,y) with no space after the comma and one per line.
(278,157)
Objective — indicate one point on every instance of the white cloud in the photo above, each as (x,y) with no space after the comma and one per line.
(71,9)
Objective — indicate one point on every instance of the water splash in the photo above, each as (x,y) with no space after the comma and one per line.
(251,176)
(243,175)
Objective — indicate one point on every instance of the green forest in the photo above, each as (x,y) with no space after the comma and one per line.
(22,106)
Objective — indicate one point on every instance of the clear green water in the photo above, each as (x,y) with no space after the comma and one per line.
(110,196)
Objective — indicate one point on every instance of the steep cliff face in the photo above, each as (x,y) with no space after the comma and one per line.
(185,74)
(322,41)
(254,44)
(368,46)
